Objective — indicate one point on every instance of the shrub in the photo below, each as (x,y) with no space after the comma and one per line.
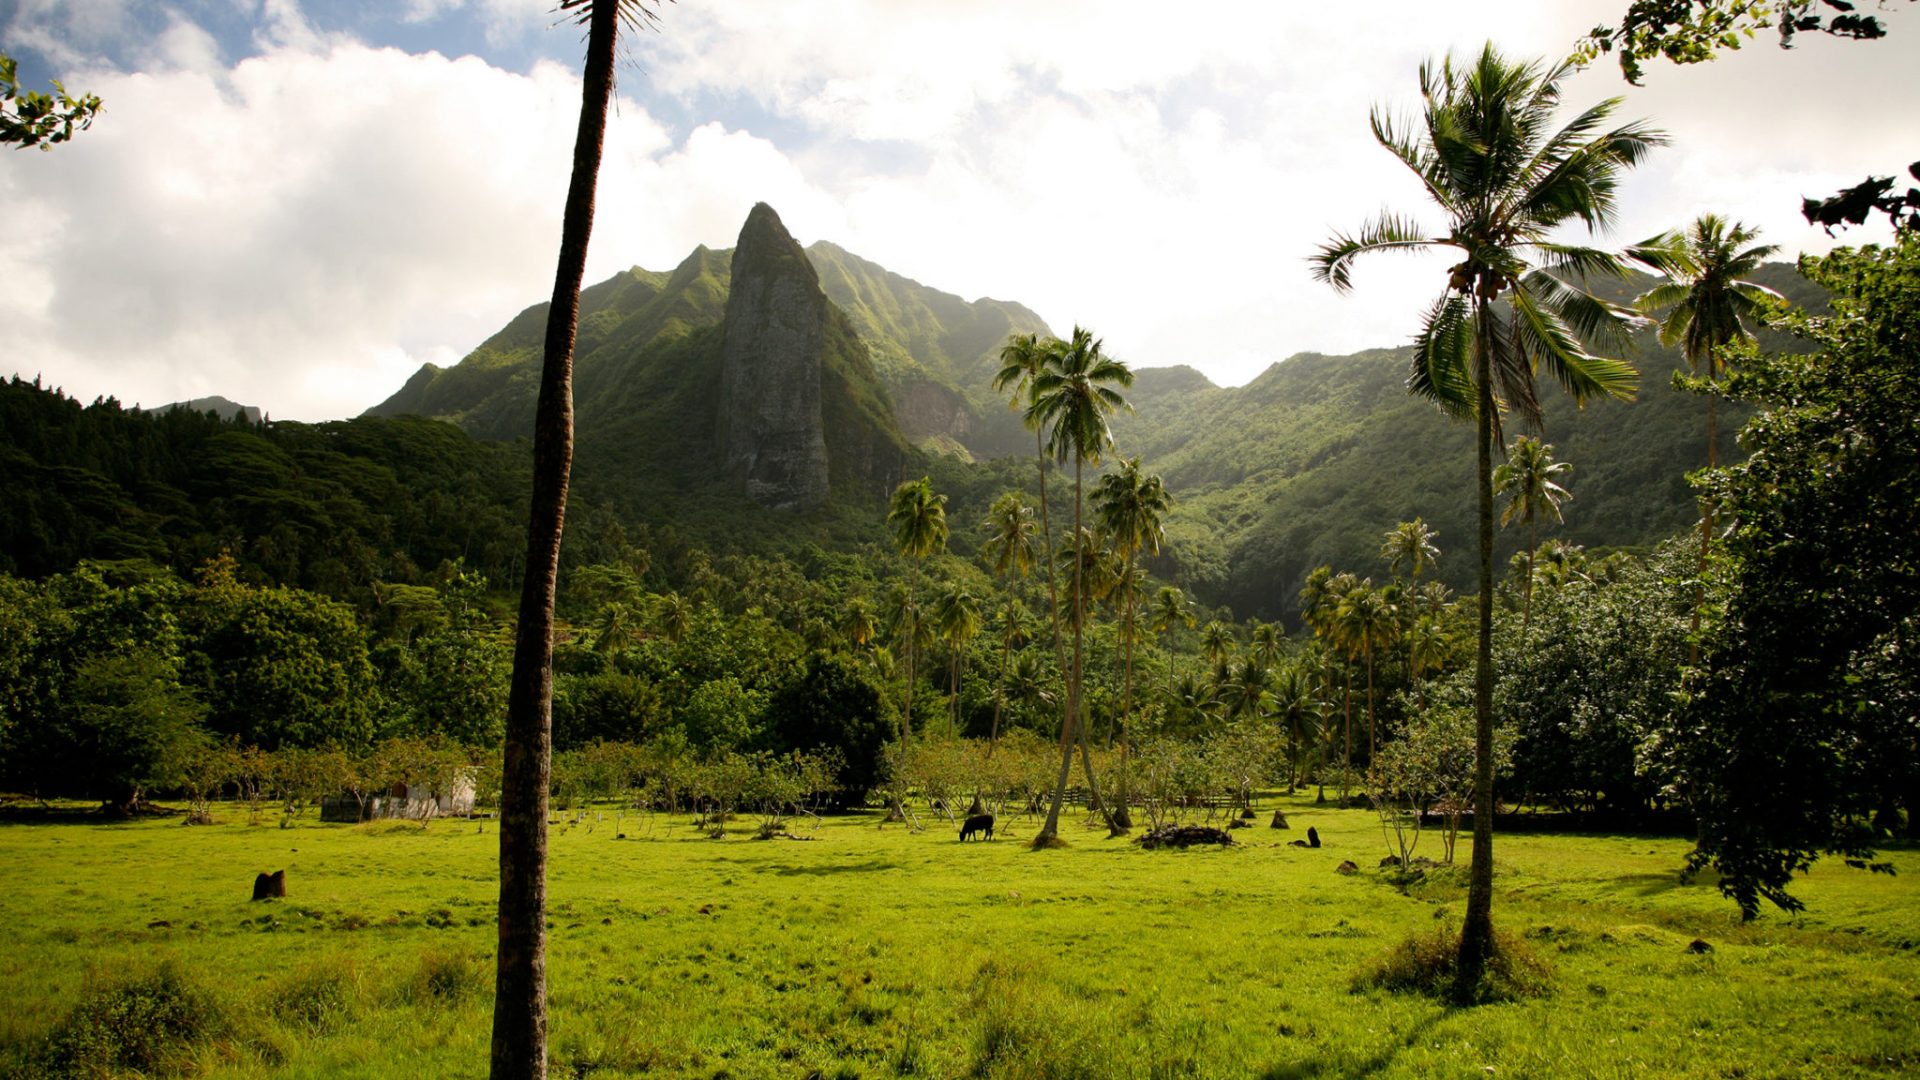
(445,977)
(320,995)
(1424,964)
(145,1023)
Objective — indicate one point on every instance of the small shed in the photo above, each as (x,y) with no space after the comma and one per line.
(402,801)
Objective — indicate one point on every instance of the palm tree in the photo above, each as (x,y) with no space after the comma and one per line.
(1072,396)
(1250,689)
(1266,643)
(857,623)
(918,519)
(1297,711)
(1216,641)
(1131,508)
(1409,546)
(1022,359)
(956,619)
(1490,155)
(1708,305)
(1368,620)
(1192,704)
(519,1047)
(1169,613)
(1534,486)
(1014,631)
(673,613)
(1010,551)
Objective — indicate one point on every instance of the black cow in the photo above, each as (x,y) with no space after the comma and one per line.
(978,823)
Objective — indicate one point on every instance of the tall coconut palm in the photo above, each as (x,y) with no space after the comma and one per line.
(1131,508)
(857,623)
(1410,546)
(1022,359)
(1266,643)
(1535,486)
(672,615)
(1490,154)
(1708,305)
(1295,708)
(519,1044)
(1170,613)
(956,620)
(1072,397)
(1216,641)
(918,519)
(1011,551)
(1369,620)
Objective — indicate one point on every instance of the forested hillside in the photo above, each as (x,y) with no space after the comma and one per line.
(331,507)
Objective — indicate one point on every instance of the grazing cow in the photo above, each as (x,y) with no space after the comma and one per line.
(978,823)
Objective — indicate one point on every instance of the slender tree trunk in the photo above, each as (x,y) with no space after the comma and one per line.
(1052,826)
(519,1050)
(1346,733)
(913,641)
(1533,550)
(953,719)
(1706,538)
(1476,931)
(1121,816)
(1370,726)
(1000,690)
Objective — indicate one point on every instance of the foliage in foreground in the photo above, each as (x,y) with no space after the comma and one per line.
(1804,726)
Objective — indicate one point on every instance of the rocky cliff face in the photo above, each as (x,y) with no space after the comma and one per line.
(774,341)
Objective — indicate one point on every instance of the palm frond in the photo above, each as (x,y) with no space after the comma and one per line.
(1442,364)
(1333,263)
(1598,322)
(1544,339)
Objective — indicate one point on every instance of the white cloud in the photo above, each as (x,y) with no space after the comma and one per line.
(304,229)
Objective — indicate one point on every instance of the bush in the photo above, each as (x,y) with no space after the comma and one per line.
(146,1023)
(1424,964)
(445,977)
(320,995)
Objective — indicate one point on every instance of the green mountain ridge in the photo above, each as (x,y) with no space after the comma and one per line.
(1308,463)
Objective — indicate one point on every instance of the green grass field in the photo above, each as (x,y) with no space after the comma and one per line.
(865,951)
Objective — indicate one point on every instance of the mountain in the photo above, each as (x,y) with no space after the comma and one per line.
(728,386)
(1314,460)
(696,404)
(218,405)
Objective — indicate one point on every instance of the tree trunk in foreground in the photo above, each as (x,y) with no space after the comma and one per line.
(1476,931)
(520,978)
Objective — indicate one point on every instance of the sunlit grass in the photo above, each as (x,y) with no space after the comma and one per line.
(868,951)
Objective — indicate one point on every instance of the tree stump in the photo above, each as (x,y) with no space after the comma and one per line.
(1346,867)
(1313,836)
(1279,821)
(272,885)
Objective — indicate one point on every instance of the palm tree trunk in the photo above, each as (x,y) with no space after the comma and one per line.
(1346,733)
(519,1045)
(953,718)
(1533,549)
(1000,691)
(1476,931)
(1370,727)
(1706,538)
(1120,815)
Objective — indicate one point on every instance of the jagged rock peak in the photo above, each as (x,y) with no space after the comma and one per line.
(773,343)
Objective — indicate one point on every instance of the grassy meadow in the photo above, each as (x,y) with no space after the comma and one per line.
(867,951)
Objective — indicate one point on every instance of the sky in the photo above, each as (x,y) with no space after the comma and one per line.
(296,204)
